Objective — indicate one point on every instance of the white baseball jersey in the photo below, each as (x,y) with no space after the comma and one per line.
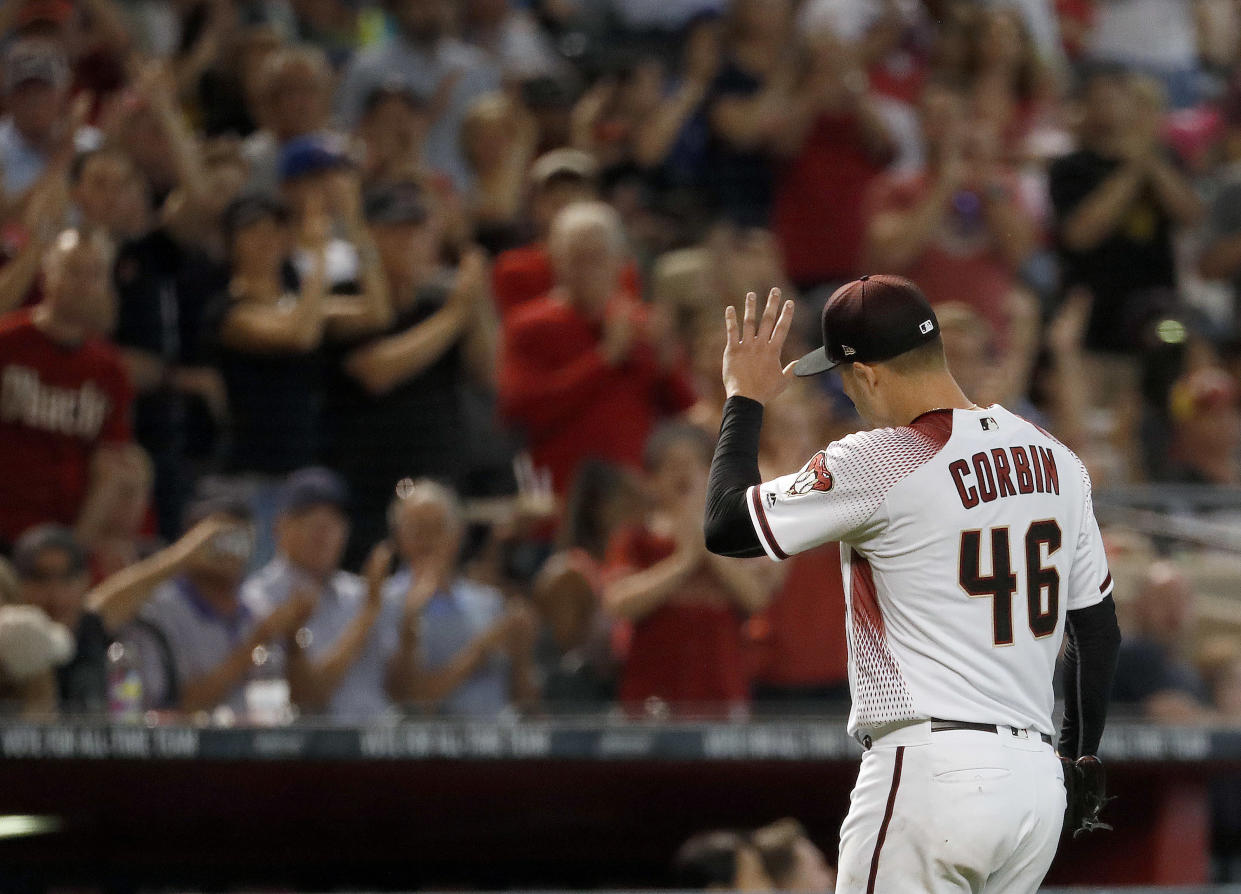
(965,537)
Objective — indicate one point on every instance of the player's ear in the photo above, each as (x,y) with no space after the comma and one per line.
(865,373)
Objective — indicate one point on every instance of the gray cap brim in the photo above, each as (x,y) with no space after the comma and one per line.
(814,363)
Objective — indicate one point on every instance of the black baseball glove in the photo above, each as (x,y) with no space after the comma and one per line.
(1085,784)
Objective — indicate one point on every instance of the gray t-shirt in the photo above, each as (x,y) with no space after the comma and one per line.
(451,620)
(177,625)
(362,695)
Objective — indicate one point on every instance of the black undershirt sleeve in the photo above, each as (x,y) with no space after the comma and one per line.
(1092,643)
(734,469)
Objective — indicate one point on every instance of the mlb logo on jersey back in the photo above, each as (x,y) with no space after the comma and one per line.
(815,477)
(988,423)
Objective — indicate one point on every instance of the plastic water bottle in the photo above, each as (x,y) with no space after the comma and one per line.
(124,683)
(267,691)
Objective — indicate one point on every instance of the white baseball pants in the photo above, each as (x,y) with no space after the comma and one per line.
(952,811)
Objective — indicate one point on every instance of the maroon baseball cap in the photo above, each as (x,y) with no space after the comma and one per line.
(869,320)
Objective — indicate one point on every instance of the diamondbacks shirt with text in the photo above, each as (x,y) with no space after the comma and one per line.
(965,536)
(58,403)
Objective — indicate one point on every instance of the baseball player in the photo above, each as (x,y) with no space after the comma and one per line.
(969,550)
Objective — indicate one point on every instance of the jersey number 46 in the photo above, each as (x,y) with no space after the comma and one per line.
(1042,583)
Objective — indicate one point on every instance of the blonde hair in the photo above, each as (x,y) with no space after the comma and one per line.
(427,490)
(582,219)
(278,62)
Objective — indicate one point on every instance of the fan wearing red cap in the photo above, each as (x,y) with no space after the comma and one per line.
(969,550)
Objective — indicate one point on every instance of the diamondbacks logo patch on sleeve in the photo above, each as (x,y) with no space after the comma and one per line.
(814,477)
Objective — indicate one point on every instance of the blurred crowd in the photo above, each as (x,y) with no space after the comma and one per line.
(361,357)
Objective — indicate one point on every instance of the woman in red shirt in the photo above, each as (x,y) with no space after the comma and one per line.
(686,605)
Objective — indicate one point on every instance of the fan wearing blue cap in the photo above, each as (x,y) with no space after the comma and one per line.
(338,663)
(969,553)
(320,184)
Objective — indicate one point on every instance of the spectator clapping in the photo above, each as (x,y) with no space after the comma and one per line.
(412,240)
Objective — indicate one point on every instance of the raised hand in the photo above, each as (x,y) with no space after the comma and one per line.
(316,224)
(661,332)
(289,616)
(44,214)
(752,365)
(536,501)
(64,148)
(203,535)
(619,333)
(703,52)
(376,573)
(122,467)
(302,604)
(157,86)
(433,575)
(470,288)
(520,629)
(1067,328)
(691,544)
(343,198)
(420,591)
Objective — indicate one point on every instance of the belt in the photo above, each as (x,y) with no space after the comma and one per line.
(939,726)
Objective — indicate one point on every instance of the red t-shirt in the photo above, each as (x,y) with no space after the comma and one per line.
(57,404)
(520,275)
(688,652)
(961,263)
(799,640)
(572,405)
(819,199)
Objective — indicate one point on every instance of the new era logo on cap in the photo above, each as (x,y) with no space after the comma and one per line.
(870,320)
